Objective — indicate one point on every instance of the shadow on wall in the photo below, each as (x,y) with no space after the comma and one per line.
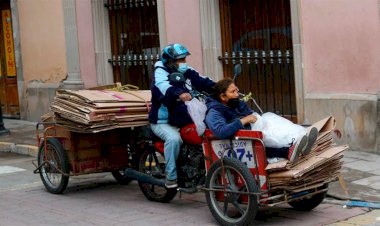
(38,97)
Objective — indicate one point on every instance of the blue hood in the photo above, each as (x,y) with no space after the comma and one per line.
(224,121)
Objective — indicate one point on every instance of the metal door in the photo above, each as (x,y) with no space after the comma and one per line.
(8,77)
(135,40)
(257,34)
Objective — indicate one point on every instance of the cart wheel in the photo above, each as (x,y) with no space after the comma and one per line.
(226,207)
(55,162)
(119,176)
(154,165)
(308,204)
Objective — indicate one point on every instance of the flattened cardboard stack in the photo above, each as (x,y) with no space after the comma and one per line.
(321,165)
(93,111)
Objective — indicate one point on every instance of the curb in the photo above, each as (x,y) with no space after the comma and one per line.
(22,149)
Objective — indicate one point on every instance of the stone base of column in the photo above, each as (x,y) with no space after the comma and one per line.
(72,85)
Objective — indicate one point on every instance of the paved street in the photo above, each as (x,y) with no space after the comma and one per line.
(96,199)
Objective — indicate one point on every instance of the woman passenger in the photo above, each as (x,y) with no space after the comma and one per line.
(227,114)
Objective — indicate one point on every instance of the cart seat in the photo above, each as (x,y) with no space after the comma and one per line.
(189,135)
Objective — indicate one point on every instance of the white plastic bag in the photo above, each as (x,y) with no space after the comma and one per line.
(197,111)
(278,131)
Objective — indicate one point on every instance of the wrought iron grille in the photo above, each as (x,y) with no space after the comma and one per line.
(135,41)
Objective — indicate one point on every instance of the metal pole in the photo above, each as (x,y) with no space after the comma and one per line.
(3,130)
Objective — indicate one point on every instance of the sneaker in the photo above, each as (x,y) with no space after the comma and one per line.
(171,183)
(312,135)
(296,149)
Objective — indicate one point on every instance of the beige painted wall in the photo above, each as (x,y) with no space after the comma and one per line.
(42,40)
(341,46)
(43,54)
(341,55)
(182,21)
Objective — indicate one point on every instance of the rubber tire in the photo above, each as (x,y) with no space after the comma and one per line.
(251,210)
(149,190)
(310,203)
(55,146)
(120,178)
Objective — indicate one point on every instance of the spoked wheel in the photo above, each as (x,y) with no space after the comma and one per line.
(230,208)
(55,162)
(154,164)
(309,203)
(121,178)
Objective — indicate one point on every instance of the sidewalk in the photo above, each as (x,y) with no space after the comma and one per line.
(22,138)
(361,170)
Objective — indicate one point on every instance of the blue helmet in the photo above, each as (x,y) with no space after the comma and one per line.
(173,52)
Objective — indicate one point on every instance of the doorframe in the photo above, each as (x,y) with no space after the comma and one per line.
(161,23)
(211,38)
(102,42)
(18,59)
(295,12)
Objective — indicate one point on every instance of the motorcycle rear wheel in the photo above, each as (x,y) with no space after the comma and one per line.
(154,164)
(231,208)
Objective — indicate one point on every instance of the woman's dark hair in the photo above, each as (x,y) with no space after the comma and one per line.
(221,87)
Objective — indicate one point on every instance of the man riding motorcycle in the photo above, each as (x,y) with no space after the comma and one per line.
(168,111)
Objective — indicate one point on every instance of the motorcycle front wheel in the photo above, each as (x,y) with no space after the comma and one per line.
(153,164)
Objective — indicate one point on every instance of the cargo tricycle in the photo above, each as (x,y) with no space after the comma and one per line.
(231,173)
(64,153)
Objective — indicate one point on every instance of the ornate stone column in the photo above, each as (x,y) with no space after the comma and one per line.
(73,80)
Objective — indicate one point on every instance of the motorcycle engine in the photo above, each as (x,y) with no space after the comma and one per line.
(190,165)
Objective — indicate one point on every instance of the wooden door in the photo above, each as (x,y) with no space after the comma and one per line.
(257,34)
(8,77)
(135,42)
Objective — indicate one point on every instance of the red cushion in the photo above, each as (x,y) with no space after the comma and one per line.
(189,135)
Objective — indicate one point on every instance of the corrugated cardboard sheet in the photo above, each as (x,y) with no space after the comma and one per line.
(99,110)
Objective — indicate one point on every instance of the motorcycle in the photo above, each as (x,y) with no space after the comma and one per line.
(191,172)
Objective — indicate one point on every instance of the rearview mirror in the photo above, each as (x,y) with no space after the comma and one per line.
(177,77)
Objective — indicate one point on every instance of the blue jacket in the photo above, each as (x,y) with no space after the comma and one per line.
(166,106)
(224,121)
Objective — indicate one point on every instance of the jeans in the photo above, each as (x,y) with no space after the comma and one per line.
(171,136)
(277,152)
